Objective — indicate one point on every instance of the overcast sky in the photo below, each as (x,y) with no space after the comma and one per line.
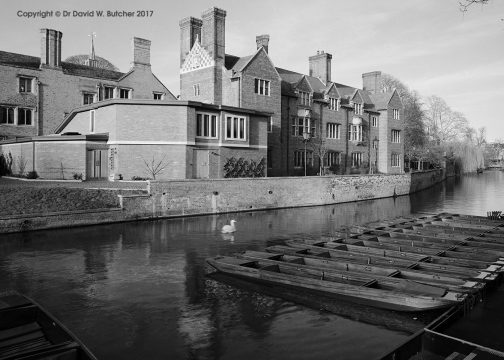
(428,44)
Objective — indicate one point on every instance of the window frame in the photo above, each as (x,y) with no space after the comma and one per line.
(234,133)
(395,114)
(395,160)
(303,123)
(157,94)
(355,133)
(270,125)
(333,158)
(210,126)
(28,83)
(356,159)
(196,89)
(299,158)
(304,98)
(120,93)
(25,111)
(358,108)
(336,131)
(262,87)
(395,136)
(107,89)
(334,104)
(374,121)
(8,109)
(86,94)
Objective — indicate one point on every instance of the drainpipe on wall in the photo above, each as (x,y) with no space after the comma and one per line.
(321,160)
(39,106)
(369,142)
(288,138)
(346,137)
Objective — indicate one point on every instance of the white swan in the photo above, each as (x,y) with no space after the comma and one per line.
(226,229)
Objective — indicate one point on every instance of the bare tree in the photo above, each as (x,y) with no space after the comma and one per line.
(444,125)
(154,166)
(465,4)
(320,149)
(22,162)
(481,136)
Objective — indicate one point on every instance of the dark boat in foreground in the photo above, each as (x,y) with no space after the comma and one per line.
(363,291)
(27,331)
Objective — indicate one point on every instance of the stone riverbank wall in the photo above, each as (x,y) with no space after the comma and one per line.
(197,197)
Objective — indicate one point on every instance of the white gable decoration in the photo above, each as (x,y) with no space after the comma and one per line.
(197,58)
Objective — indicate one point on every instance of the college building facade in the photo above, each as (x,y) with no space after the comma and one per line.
(236,115)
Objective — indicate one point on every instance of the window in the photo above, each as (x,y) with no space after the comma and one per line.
(395,160)
(88,98)
(6,115)
(92,121)
(334,104)
(270,125)
(333,131)
(333,158)
(206,125)
(299,158)
(124,93)
(374,121)
(25,85)
(356,159)
(196,90)
(355,132)
(301,125)
(108,92)
(395,114)
(304,98)
(262,87)
(396,136)
(24,116)
(357,109)
(158,96)
(235,128)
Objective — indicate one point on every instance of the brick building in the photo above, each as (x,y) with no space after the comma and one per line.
(38,92)
(353,130)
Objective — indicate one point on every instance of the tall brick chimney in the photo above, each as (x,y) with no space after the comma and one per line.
(50,46)
(213,37)
(190,29)
(262,41)
(371,81)
(320,66)
(141,52)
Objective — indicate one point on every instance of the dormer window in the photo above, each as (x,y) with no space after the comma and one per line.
(358,109)
(25,85)
(304,98)
(334,104)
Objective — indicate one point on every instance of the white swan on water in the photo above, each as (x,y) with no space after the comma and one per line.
(226,229)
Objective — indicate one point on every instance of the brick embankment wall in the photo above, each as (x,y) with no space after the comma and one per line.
(194,197)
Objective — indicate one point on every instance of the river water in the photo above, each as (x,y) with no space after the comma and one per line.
(140,290)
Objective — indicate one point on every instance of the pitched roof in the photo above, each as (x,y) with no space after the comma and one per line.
(381,100)
(32,62)
(236,63)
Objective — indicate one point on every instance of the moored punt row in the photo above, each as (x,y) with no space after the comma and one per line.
(362,291)
(344,267)
(464,273)
(395,264)
(440,263)
(431,237)
(460,250)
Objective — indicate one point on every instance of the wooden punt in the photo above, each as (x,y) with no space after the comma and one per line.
(382,250)
(470,218)
(344,253)
(479,244)
(388,279)
(362,292)
(450,250)
(27,331)
(360,265)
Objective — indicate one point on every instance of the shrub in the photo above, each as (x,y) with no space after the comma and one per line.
(32,175)
(139,178)
(77,176)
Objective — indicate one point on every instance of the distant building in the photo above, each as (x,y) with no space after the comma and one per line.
(38,92)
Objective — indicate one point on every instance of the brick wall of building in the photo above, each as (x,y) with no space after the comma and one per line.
(60,160)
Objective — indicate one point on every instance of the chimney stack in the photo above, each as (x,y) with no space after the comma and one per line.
(141,52)
(213,37)
(262,41)
(371,81)
(50,55)
(190,30)
(320,66)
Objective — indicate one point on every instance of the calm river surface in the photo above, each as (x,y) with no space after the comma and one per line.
(140,290)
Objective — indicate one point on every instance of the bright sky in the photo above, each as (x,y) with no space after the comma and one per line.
(428,44)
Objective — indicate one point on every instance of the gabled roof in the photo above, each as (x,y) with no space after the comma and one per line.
(381,100)
(32,62)
(239,64)
(303,84)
